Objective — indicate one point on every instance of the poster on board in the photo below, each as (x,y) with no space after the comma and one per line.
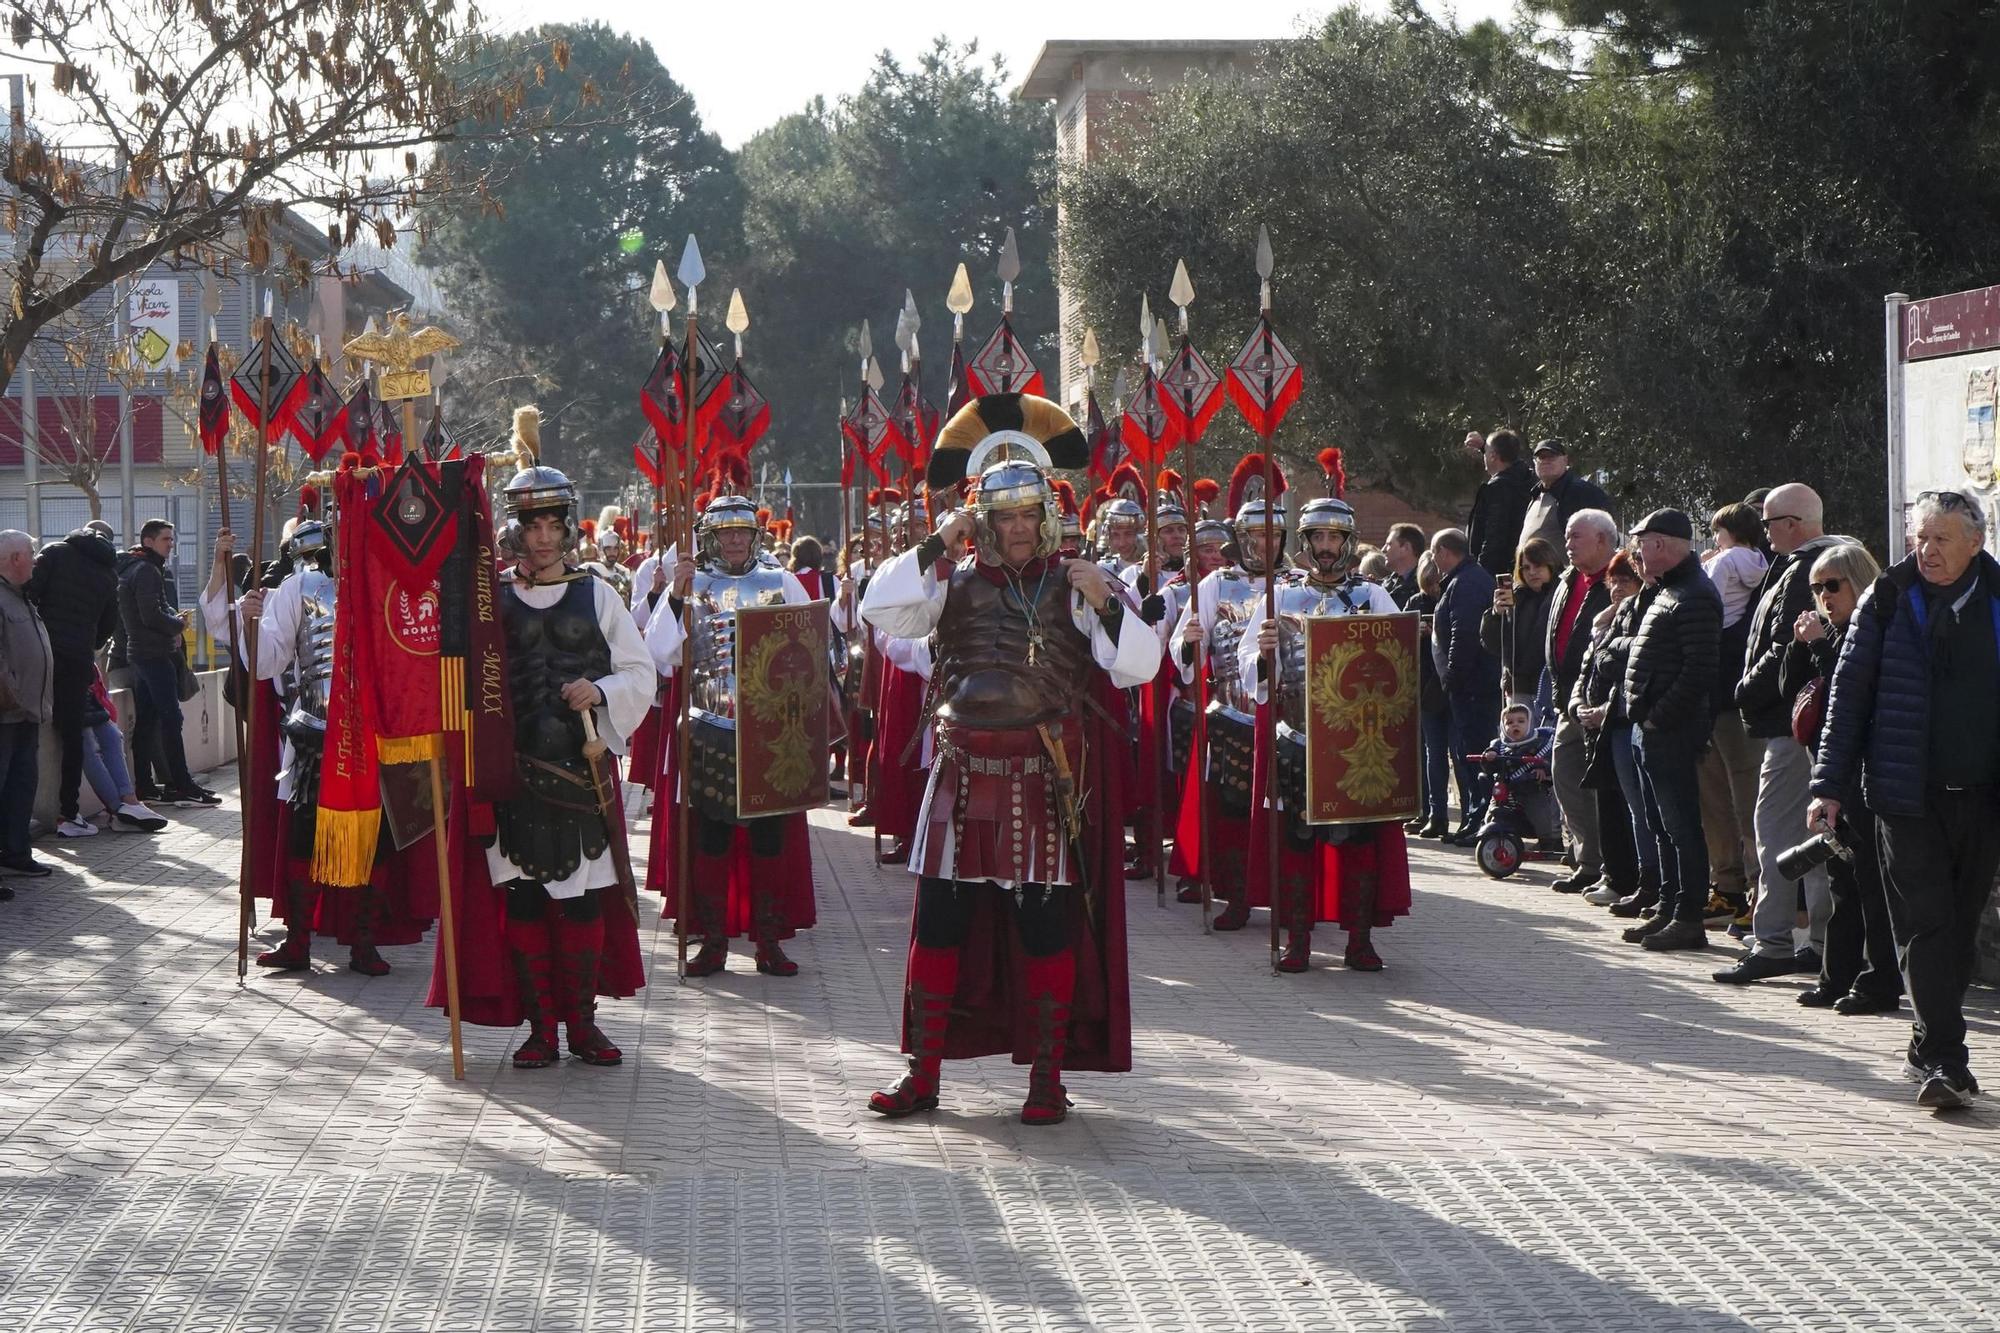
(1943,361)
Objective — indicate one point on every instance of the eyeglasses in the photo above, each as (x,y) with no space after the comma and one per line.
(1779,518)
(1831,585)
(1950,500)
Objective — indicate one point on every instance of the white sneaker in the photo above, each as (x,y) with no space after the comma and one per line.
(137,816)
(76,828)
(1603,897)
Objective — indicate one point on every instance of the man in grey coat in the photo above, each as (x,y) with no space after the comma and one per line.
(26,701)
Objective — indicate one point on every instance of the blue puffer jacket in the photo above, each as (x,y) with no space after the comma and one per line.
(1879,711)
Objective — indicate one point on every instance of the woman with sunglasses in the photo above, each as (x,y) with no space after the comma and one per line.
(1858,972)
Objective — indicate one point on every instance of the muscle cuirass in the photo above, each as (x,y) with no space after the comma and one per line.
(553,825)
(715,597)
(1008,654)
(1297,599)
(1236,592)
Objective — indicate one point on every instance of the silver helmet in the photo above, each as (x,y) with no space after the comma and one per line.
(1328,514)
(539,489)
(1015,483)
(725,513)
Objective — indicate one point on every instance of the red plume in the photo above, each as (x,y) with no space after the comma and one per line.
(350,460)
(1205,490)
(1092,501)
(701,499)
(1127,483)
(588,527)
(1335,471)
(731,473)
(308,500)
(1066,495)
(763,516)
(1251,470)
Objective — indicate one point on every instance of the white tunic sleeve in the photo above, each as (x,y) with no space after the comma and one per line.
(905,599)
(215,615)
(628,690)
(1133,658)
(664,635)
(278,629)
(1247,655)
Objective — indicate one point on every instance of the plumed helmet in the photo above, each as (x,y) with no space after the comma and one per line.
(1171,505)
(1326,515)
(725,513)
(535,488)
(1009,442)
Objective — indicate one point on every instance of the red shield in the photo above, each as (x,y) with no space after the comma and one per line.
(1363,730)
(781,709)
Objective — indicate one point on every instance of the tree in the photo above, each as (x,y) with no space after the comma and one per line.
(1408,224)
(75,361)
(545,273)
(180,129)
(846,207)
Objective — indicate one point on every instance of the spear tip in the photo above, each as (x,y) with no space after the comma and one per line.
(662,297)
(1264,259)
(1182,292)
(692,269)
(738,319)
(1090,355)
(959,301)
(867,341)
(1010,259)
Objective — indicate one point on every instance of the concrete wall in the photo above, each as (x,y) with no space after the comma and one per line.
(208,731)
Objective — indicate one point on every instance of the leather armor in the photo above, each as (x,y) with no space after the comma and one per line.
(985,642)
(554,825)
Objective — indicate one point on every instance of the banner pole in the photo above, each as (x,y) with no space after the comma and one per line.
(243,880)
(683,859)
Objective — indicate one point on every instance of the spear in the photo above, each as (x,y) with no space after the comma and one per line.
(1181,293)
(250,627)
(691,274)
(907,325)
(1150,344)
(662,299)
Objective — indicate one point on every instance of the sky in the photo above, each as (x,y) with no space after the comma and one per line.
(745,74)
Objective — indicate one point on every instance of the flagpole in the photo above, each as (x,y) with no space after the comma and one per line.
(1152,588)
(1269,723)
(691,274)
(246,900)
(848,595)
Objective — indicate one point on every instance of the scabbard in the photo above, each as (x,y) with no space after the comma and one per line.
(613,811)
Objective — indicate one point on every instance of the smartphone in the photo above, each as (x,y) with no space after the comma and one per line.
(1505,581)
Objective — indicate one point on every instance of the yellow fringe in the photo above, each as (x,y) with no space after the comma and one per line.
(344,846)
(407,749)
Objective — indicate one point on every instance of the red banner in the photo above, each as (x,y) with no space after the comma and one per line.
(1363,729)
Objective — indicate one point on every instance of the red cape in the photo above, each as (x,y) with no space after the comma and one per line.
(900,777)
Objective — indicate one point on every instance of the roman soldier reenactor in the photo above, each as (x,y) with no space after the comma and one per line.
(896,786)
(1206,635)
(1357,875)
(295,651)
(573,652)
(1119,525)
(747,876)
(1018,939)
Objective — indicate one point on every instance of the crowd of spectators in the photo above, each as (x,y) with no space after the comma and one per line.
(1755,729)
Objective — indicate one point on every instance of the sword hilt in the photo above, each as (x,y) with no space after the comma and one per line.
(592,746)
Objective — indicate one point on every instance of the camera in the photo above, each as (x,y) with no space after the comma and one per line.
(1796,863)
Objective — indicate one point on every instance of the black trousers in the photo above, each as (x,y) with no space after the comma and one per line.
(1614,838)
(69,688)
(944,913)
(1938,870)
(1860,944)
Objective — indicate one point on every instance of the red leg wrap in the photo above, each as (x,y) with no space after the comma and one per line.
(933,978)
(579,946)
(1051,982)
(528,951)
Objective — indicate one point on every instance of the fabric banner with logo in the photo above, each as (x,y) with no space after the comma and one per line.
(1363,730)
(419,654)
(781,709)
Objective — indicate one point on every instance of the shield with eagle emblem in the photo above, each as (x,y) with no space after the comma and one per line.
(781,709)
(1363,731)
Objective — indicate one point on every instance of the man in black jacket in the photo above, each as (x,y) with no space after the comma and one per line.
(1404,548)
(1470,674)
(149,605)
(1559,495)
(1589,540)
(1668,678)
(1794,518)
(1502,500)
(75,587)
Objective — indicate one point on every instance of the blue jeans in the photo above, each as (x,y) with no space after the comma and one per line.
(1437,763)
(1625,762)
(1475,721)
(158,685)
(20,770)
(1668,764)
(104,763)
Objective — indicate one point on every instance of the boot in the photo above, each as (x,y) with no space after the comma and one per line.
(295,953)
(362,956)
(365,959)
(771,959)
(1358,909)
(579,948)
(1188,892)
(1298,951)
(1233,917)
(932,980)
(528,950)
(714,956)
(1051,982)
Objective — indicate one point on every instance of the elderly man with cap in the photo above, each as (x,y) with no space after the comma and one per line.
(1018,940)
(1559,495)
(1668,677)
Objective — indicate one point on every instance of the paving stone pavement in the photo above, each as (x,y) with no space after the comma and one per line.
(1522,1124)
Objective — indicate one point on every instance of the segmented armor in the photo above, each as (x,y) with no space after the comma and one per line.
(307,684)
(715,597)
(554,825)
